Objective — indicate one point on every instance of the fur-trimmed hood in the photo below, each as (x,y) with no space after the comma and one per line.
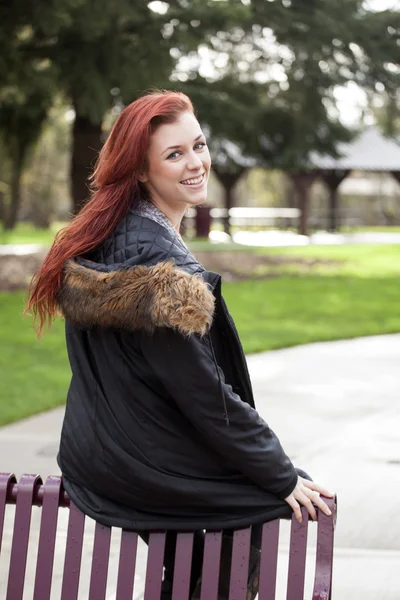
(138,297)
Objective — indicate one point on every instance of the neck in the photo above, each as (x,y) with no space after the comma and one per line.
(173,213)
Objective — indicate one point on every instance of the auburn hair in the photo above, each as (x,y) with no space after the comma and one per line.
(113,190)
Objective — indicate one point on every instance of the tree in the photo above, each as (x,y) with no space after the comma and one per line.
(25,97)
(21,119)
(270,103)
(98,49)
(312,46)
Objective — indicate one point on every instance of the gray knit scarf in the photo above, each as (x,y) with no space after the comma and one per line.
(145,208)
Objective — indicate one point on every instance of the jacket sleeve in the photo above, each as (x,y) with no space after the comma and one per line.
(186,367)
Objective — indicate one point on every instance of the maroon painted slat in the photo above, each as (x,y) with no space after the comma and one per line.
(155,563)
(269,560)
(73,554)
(297,558)
(6,480)
(20,540)
(38,494)
(127,565)
(47,539)
(240,564)
(183,565)
(101,553)
(211,562)
(324,558)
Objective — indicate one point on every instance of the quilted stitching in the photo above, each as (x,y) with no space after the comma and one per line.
(140,240)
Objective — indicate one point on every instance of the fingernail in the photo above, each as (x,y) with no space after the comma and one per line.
(329,512)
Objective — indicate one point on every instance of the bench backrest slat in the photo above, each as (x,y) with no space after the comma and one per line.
(47,539)
(127,565)
(211,562)
(73,554)
(324,558)
(155,565)
(30,491)
(100,557)
(269,560)
(240,564)
(297,558)
(182,568)
(6,479)
(19,549)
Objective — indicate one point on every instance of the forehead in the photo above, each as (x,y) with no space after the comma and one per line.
(183,131)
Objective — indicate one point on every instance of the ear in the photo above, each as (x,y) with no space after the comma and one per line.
(142,177)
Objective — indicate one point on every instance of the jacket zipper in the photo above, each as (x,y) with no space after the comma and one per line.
(221,392)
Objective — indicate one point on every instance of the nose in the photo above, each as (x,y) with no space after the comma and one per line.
(194,162)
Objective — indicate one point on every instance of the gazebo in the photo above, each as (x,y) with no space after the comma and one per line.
(371,151)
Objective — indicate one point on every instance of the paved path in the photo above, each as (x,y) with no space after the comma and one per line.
(281,238)
(336,408)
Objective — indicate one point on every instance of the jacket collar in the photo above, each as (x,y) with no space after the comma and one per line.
(137,298)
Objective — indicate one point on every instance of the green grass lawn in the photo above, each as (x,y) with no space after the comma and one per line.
(34,373)
(24,233)
(355,294)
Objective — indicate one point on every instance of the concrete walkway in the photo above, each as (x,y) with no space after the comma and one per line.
(281,238)
(336,409)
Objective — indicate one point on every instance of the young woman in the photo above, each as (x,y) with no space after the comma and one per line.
(160,429)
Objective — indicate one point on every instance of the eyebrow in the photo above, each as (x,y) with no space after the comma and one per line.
(180,145)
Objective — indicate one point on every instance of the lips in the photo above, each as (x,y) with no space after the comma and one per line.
(193,181)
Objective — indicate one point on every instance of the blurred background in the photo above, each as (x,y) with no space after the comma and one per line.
(300,103)
(301,106)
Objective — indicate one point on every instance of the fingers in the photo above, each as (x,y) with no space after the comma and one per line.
(307,494)
(307,502)
(308,498)
(317,488)
(322,505)
(295,507)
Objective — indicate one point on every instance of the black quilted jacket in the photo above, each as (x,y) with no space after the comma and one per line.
(160,429)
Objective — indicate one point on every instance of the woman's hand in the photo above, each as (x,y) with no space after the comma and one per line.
(307,493)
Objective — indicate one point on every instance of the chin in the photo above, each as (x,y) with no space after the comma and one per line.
(197,198)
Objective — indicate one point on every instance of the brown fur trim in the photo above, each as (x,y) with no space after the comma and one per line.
(137,298)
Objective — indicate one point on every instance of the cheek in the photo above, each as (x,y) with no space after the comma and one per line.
(207,159)
(168,171)
(163,173)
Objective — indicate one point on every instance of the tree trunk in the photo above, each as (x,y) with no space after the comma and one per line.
(2,207)
(228,201)
(333,210)
(303,181)
(86,143)
(228,181)
(333,179)
(11,215)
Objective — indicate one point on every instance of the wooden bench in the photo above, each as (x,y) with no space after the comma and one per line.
(30,491)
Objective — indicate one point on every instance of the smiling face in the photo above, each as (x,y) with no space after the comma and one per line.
(178,166)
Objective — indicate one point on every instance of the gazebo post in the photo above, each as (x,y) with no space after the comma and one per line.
(396,175)
(303,181)
(228,180)
(333,179)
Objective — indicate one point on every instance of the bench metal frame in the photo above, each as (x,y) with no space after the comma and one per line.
(30,491)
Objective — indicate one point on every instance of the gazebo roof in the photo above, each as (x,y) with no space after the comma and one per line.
(370,151)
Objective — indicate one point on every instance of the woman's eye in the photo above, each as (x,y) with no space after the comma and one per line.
(198,146)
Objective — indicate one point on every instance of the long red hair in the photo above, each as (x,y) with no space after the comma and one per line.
(114,189)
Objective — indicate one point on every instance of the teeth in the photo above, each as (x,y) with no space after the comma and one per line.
(193,181)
